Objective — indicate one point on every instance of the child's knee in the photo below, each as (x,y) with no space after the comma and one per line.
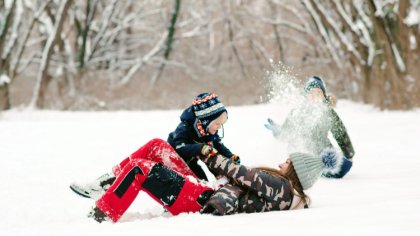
(155,141)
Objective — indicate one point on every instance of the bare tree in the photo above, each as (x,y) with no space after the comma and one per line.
(169,40)
(100,51)
(5,50)
(371,39)
(83,30)
(43,77)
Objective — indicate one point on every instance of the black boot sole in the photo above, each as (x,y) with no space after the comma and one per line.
(83,194)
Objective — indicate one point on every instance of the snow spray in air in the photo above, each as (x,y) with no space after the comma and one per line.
(282,86)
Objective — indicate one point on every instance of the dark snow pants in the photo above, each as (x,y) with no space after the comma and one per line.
(159,171)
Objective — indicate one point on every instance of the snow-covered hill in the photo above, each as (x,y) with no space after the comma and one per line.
(41,152)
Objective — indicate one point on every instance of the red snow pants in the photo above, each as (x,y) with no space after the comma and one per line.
(158,170)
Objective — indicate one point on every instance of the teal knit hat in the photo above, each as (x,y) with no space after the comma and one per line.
(315,82)
(309,168)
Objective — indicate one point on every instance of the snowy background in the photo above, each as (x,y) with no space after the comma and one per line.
(42,152)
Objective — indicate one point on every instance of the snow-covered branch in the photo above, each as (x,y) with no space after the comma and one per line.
(343,38)
(108,13)
(17,22)
(36,101)
(143,60)
(323,32)
(24,43)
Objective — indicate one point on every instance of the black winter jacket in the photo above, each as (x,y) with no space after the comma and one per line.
(187,141)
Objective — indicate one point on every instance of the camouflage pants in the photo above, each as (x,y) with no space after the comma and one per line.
(224,201)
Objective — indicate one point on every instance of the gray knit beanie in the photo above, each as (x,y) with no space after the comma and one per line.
(308,168)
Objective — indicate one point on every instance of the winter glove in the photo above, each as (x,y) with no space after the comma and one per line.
(235,158)
(208,151)
(274,127)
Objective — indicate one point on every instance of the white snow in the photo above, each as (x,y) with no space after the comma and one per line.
(328,39)
(41,152)
(413,42)
(4,79)
(398,58)
(413,17)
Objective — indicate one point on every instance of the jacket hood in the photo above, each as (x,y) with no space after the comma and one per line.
(188,116)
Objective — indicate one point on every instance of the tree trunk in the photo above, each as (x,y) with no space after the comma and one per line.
(5,103)
(90,11)
(169,41)
(274,13)
(4,97)
(379,47)
(388,68)
(42,77)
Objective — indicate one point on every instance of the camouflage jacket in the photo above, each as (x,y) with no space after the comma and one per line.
(250,190)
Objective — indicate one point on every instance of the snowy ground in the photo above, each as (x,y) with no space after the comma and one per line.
(42,152)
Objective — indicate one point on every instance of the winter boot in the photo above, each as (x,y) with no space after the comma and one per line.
(96,189)
(98,215)
(106,180)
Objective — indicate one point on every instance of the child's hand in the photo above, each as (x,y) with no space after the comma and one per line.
(274,127)
(235,158)
(208,151)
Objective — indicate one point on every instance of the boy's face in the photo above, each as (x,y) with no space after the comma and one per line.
(315,95)
(216,124)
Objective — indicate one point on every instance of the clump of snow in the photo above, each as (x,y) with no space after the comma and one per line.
(413,17)
(413,42)
(283,86)
(4,79)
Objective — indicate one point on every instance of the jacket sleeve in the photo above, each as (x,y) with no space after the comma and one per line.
(224,201)
(265,185)
(221,148)
(286,128)
(339,132)
(183,143)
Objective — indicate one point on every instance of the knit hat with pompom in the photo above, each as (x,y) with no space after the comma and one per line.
(309,168)
(206,107)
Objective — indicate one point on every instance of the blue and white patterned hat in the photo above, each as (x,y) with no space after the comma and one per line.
(207,107)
